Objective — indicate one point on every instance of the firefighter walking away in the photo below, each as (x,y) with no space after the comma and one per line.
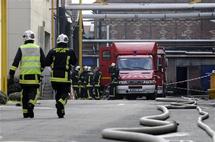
(31,59)
(61,59)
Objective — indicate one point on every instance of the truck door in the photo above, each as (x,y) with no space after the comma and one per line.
(104,62)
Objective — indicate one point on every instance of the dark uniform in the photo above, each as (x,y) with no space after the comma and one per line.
(83,80)
(114,71)
(97,83)
(61,59)
(89,86)
(76,83)
(31,59)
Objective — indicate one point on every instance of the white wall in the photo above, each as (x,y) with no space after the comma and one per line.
(24,15)
(41,19)
(18,22)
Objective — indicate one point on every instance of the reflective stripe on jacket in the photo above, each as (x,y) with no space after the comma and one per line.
(60,73)
(30,63)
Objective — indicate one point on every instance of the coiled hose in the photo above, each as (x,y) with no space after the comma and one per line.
(203,126)
(155,125)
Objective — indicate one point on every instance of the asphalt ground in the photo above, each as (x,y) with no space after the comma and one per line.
(85,119)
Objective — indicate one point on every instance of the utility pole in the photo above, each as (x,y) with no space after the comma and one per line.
(3,46)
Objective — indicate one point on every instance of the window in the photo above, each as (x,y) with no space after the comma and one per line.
(135,63)
(106,55)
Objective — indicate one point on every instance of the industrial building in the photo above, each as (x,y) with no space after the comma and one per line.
(188,39)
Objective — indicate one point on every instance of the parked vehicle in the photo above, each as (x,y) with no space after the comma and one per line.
(142,68)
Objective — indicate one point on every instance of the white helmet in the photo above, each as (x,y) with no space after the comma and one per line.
(28,35)
(85,68)
(77,68)
(113,64)
(62,38)
(88,68)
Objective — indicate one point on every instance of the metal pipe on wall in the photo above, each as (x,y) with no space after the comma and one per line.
(80,38)
(151,16)
(57,19)
(3,48)
(52,25)
(141,6)
(149,40)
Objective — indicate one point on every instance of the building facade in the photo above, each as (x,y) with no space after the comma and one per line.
(35,15)
(25,15)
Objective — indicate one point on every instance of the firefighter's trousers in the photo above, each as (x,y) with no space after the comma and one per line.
(76,89)
(97,89)
(62,91)
(90,92)
(29,96)
(113,89)
(83,91)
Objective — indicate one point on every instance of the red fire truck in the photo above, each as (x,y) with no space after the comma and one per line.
(142,68)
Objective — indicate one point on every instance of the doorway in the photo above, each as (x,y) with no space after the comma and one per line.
(181,75)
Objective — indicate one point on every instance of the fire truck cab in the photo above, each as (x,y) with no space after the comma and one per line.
(142,68)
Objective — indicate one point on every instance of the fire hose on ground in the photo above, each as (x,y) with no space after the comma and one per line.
(156,125)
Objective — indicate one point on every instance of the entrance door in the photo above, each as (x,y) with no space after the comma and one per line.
(181,73)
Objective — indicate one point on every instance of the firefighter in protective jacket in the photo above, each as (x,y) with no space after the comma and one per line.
(97,82)
(83,79)
(75,76)
(61,59)
(89,86)
(114,71)
(30,57)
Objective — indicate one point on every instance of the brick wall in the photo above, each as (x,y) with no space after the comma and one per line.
(160,29)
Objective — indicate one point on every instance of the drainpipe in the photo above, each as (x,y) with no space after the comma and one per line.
(80,38)
(52,25)
(108,34)
(57,19)
(4,46)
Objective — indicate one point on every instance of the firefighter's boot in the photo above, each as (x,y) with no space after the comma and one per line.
(25,115)
(60,110)
(30,110)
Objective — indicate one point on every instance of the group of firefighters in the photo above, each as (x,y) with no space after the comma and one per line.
(31,61)
(86,84)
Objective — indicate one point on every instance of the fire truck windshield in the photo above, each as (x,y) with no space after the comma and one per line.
(134,63)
